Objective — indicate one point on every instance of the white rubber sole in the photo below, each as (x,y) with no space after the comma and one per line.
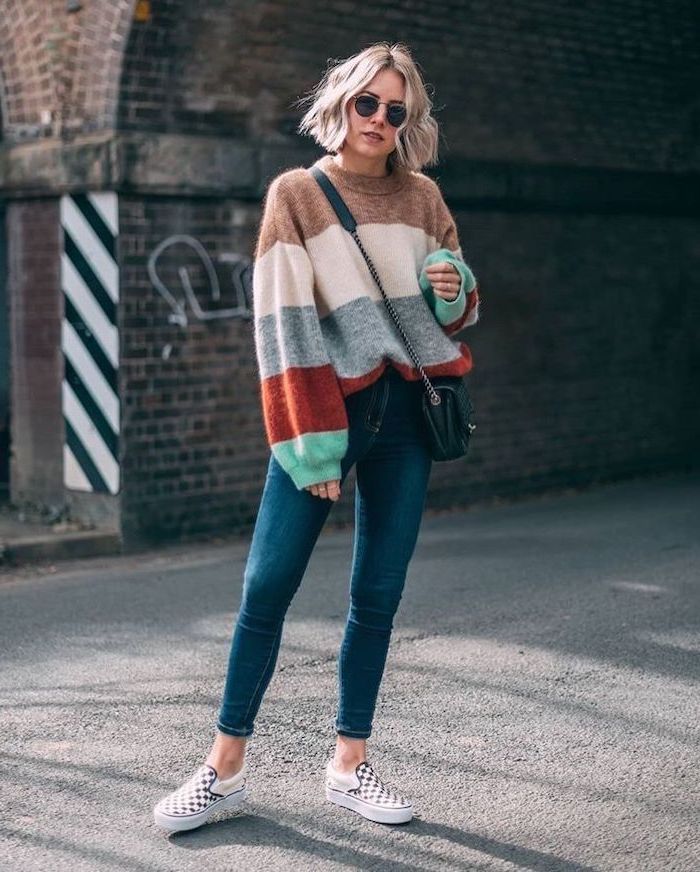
(366,809)
(175,823)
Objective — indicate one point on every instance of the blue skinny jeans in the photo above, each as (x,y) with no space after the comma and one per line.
(389,446)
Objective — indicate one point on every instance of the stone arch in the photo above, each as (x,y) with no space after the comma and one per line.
(220,69)
(62,70)
(30,95)
(103,38)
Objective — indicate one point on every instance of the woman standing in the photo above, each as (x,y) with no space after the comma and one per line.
(338,388)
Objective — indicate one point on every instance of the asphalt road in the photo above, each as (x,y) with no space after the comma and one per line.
(540,703)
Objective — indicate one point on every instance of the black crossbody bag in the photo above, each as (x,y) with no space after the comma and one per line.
(447,408)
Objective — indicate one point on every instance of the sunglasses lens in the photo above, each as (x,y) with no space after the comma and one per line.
(396,115)
(366,106)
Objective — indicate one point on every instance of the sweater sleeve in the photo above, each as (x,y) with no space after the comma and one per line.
(303,406)
(463,311)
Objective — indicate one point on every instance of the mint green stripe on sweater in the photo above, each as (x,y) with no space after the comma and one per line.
(446,311)
(312,457)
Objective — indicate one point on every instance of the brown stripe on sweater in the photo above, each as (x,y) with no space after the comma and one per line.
(296,209)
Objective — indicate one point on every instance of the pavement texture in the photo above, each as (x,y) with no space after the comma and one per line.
(539,705)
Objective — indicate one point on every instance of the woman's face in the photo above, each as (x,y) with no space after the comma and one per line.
(388,86)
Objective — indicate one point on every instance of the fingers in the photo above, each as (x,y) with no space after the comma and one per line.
(448,290)
(326,489)
(453,280)
(442,270)
(445,280)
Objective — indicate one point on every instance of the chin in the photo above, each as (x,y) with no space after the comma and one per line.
(365,148)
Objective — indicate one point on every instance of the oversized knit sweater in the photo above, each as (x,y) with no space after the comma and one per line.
(322,330)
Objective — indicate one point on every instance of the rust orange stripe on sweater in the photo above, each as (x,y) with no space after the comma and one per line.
(312,396)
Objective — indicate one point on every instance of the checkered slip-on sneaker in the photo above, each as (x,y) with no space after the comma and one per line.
(364,792)
(201,796)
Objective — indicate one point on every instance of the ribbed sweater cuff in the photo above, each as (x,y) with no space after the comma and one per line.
(304,475)
(447,311)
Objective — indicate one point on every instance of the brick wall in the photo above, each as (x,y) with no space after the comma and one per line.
(587,359)
(596,84)
(586,326)
(193,452)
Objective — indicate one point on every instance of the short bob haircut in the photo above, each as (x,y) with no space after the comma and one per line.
(326,120)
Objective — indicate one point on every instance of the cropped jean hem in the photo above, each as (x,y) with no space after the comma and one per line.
(354,734)
(234,731)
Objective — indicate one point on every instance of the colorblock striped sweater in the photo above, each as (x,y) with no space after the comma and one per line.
(322,330)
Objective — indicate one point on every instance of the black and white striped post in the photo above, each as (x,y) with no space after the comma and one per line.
(90,342)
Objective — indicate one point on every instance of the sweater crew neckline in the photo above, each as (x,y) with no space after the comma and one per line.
(395,181)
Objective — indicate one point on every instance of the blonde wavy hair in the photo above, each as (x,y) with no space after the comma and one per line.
(326,120)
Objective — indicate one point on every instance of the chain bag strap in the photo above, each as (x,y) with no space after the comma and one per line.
(447,407)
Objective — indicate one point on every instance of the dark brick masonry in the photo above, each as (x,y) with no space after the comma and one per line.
(575,376)
(194,449)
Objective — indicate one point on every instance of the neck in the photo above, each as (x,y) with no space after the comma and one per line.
(364,166)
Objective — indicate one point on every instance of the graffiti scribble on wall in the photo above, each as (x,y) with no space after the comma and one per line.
(189,303)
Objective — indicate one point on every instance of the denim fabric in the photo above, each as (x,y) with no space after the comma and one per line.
(388,444)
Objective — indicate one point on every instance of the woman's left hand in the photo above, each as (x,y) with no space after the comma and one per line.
(445,279)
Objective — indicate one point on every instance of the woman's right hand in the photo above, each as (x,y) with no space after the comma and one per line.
(326,489)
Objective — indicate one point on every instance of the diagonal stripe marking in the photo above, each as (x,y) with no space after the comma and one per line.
(91,376)
(90,246)
(94,219)
(92,315)
(73,475)
(90,438)
(90,471)
(106,203)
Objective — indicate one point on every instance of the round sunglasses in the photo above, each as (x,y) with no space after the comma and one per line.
(366,105)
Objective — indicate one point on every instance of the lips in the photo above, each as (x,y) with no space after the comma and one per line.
(373,137)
